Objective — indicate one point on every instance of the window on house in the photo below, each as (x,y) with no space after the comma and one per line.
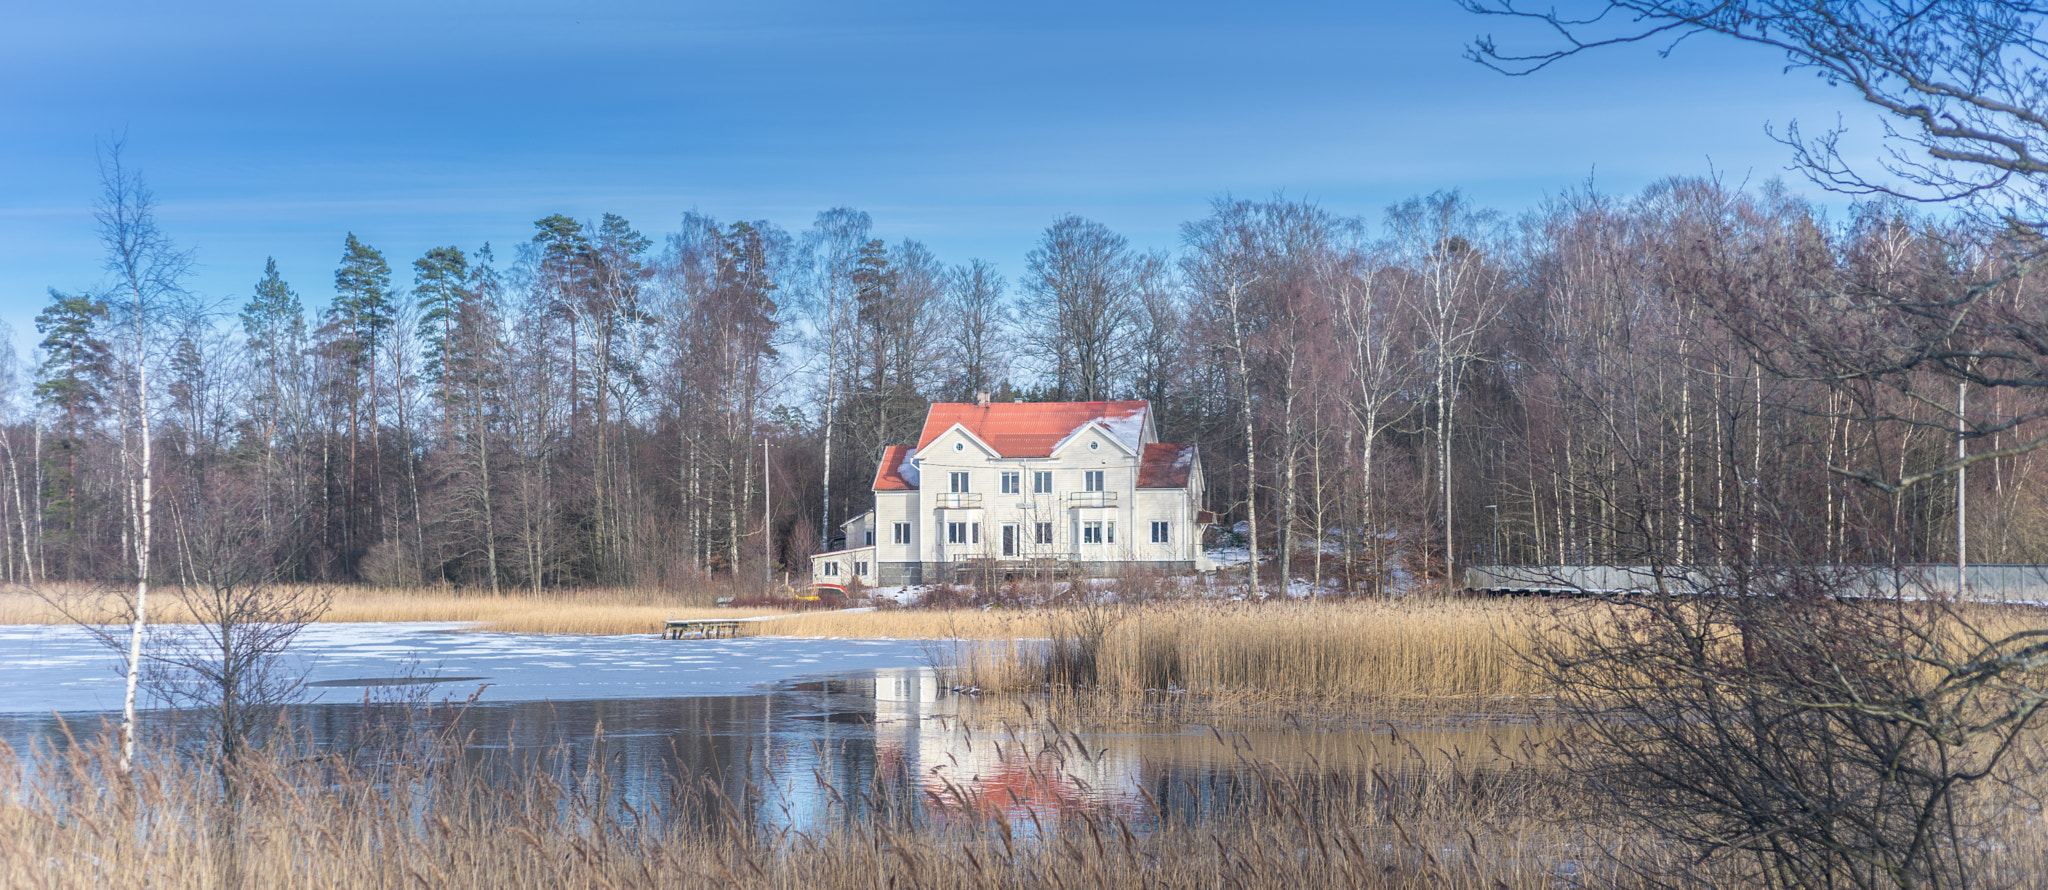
(903,533)
(1013,483)
(974,533)
(1043,533)
(831,568)
(1041,482)
(1010,536)
(1094,479)
(860,568)
(1091,532)
(959,481)
(1162,532)
(956,532)
(1109,532)
(871,537)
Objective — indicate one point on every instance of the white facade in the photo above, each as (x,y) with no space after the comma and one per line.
(1084,488)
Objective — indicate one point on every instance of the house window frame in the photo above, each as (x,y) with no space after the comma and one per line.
(1013,482)
(831,568)
(903,533)
(1041,482)
(1041,533)
(1091,531)
(956,532)
(1162,531)
(1093,480)
(958,482)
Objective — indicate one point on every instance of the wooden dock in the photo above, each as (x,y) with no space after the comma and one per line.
(701,628)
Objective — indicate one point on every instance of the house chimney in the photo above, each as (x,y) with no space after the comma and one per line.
(981,399)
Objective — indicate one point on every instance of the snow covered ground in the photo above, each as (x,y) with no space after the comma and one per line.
(57,668)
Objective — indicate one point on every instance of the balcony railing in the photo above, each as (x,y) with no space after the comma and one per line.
(1090,498)
(958,499)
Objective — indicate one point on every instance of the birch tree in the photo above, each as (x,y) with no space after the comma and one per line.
(147,272)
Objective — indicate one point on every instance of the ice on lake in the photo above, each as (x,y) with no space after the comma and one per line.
(61,668)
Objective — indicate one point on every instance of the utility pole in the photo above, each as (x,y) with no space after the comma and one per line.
(767,523)
(1962,497)
(1495,510)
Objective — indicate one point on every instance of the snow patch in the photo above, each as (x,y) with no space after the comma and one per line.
(1129,429)
(62,668)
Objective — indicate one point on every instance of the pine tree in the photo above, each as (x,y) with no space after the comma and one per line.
(440,284)
(76,374)
(275,325)
(357,322)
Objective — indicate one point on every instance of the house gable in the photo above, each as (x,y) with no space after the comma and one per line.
(1095,436)
(954,442)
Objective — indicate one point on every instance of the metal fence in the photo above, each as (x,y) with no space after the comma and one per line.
(1985,583)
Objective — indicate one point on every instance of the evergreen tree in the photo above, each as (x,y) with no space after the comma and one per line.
(74,383)
(361,314)
(362,301)
(77,364)
(440,284)
(872,284)
(275,325)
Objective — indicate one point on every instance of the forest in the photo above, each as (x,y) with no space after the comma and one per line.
(1597,379)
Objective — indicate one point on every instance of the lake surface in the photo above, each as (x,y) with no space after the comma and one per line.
(807,731)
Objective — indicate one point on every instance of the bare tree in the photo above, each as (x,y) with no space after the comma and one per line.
(1381,367)
(1452,291)
(829,253)
(1958,82)
(979,334)
(148,272)
(1079,308)
(1958,87)
(1791,722)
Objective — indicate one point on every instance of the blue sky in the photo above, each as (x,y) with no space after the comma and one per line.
(271,129)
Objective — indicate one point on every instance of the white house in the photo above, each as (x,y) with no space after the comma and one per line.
(1022,487)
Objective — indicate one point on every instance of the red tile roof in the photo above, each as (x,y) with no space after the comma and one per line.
(1031,429)
(896,472)
(1166,466)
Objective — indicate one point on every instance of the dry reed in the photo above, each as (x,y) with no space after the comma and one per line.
(1336,651)
(1404,818)
(579,611)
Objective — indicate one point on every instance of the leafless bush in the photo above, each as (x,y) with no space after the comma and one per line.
(1789,735)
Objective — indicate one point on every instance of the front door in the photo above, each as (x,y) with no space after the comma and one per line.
(1010,539)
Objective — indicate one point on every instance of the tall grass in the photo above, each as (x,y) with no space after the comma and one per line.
(1416,648)
(1407,818)
(620,610)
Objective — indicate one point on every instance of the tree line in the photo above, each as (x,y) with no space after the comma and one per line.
(1592,380)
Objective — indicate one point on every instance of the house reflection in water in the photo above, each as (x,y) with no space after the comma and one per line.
(896,745)
(970,765)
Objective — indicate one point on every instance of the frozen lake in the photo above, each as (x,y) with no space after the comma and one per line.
(63,669)
(805,729)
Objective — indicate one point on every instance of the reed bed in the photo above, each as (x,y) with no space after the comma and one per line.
(428,813)
(1338,651)
(598,611)
(432,816)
